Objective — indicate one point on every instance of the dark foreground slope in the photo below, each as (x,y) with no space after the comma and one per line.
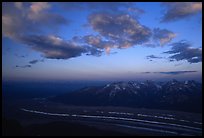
(59,128)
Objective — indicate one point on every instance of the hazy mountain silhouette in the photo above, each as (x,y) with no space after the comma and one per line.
(175,95)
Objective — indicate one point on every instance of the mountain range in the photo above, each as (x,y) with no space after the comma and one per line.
(171,95)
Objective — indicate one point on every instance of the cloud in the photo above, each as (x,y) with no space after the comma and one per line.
(178,64)
(20,56)
(153,56)
(37,7)
(146,72)
(122,30)
(171,60)
(179,10)
(109,7)
(38,13)
(176,72)
(54,47)
(183,50)
(97,42)
(136,10)
(20,19)
(12,26)
(18,5)
(25,22)
(35,61)
(163,36)
(93,51)
(171,72)
(25,66)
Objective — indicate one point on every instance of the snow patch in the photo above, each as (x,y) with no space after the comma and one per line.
(198,123)
(117,87)
(184,120)
(158,86)
(107,86)
(120,113)
(154,116)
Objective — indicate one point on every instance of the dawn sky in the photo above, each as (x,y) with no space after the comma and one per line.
(101,41)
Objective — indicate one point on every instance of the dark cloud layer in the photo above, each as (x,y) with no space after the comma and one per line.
(171,72)
(180,10)
(183,50)
(56,48)
(53,47)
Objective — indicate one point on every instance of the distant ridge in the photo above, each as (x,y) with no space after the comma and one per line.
(171,95)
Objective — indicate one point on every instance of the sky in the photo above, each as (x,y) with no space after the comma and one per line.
(110,41)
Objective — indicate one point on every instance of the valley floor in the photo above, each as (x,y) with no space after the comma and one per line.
(37,113)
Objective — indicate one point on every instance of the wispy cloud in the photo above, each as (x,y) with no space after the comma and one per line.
(178,64)
(153,57)
(20,56)
(171,72)
(176,72)
(36,61)
(25,66)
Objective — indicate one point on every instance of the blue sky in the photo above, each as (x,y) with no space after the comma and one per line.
(101,41)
